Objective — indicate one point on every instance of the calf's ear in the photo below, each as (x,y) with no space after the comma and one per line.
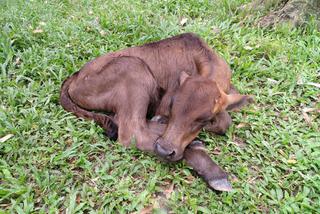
(231,102)
(236,101)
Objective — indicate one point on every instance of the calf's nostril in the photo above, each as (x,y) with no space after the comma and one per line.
(171,155)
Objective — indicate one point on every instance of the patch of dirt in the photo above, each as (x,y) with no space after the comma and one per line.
(291,11)
(295,12)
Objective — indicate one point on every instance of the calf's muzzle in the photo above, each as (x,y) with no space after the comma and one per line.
(165,151)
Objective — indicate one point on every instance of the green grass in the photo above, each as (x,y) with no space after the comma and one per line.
(56,162)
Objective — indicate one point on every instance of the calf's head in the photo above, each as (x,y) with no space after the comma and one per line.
(194,105)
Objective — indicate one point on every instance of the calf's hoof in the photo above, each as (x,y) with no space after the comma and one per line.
(222,185)
(197,157)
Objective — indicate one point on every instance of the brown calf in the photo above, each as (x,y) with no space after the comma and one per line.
(181,76)
(130,82)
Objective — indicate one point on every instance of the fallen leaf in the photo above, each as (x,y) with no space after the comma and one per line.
(102,33)
(71,160)
(147,210)
(38,31)
(68,142)
(247,47)
(183,21)
(92,182)
(168,191)
(189,179)
(306,110)
(5,138)
(281,152)
(314,84)
(306,117)
(5,205)
(241,125)
(216,151)
(78,199)
(292,161)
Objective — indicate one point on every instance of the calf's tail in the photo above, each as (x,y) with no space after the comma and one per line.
(107,122)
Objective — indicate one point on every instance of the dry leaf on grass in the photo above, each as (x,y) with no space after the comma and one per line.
(147,210)
(247,47)
(306,117)
(292,161)
(313,84)
(189,179)
(241,125)
(306,110)
(102,33)
(37,31)
(168,191)
(282,152)
(217,151)
(78,199)
(5,138)
(183,21)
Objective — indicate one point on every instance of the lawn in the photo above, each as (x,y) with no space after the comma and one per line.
(51,161)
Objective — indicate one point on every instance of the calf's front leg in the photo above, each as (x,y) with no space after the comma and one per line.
(196,156)
(164,107)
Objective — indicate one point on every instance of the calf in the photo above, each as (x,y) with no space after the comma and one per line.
(180,78)
(130,81)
